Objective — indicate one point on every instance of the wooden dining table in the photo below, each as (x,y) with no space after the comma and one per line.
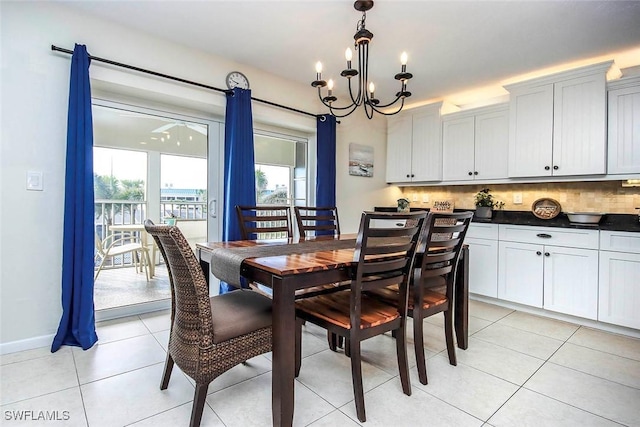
(286,273)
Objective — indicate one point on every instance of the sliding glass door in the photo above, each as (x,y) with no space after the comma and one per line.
(155,165)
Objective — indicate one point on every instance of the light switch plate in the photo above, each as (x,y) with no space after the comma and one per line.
(415,197)
(34,181)
(517,198)
(425,198)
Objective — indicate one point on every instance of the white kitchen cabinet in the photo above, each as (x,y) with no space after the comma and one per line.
(475,144)
(414,145)
(558,124)
(619,279)
(550,268)
(571,281)
(624,127)
(520,273)
(399,146)
(483,259)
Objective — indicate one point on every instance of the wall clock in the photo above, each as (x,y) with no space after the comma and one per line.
(237,79)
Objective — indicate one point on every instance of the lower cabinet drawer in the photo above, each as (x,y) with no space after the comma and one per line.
(620,241)
(553,236)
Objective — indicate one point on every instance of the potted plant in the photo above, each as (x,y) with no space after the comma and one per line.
(403,205)
(485,204)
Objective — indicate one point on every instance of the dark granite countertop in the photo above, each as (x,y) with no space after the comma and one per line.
(613,222)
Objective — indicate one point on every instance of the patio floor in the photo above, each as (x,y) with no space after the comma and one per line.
(124,286)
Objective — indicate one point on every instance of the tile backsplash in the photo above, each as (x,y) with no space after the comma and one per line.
(603,196)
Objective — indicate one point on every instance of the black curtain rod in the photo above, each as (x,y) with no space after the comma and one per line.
(178,79)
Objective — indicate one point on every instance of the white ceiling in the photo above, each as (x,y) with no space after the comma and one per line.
(453,46)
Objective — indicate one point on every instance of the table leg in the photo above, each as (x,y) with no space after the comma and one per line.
(283,353)
(461,311)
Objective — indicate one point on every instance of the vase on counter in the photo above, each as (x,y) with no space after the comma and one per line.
(403,205)
(484,212)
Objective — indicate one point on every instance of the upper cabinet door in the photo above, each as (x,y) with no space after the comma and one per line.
(426,164)
(624,130)
(492,145)
(531,131)
(579,137)
(458,140)
(399,141)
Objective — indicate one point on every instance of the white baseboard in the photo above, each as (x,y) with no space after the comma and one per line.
(558,316)
(26,344)
(114,313)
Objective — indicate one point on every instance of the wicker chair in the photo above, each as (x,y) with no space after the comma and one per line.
(209,335)
(384,257)
(433,280)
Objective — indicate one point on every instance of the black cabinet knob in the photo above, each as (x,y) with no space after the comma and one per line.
(408,176)
(547,168)
(547,254)
(470,173)
(555,168)
(475,173)
(412,175)
(538,253)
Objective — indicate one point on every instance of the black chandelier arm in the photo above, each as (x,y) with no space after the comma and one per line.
(376,108)
(357,100)
(333,107)
(353,108)
(391,103)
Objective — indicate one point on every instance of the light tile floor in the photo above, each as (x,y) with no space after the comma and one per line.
(519,370)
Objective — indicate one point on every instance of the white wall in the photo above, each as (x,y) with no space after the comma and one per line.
(35,85)
(355,193)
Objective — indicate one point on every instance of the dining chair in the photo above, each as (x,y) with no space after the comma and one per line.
(314,221)
(111,247)
(433,279)
(264,222)
(383,257)
(208,335)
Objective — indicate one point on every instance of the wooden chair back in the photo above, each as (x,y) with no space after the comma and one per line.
(443,237)
(315,221)
(385,256)
(264,222)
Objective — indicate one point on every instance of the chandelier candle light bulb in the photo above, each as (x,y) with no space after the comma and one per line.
(359,95)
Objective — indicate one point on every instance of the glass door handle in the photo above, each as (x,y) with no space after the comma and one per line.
(213,208)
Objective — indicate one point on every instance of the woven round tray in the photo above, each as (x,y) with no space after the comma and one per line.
(546,208)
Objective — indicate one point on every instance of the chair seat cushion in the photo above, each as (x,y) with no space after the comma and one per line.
(434,294)
(239,312)
(335,308)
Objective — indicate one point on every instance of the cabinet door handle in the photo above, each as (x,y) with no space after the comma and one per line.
(470,173)
(412,176)
(538,253)
(475,173)
(544,235)
(555,168)
(547,254)
(408,176)
(547,168)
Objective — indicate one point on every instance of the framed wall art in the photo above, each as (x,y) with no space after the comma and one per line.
(360,160)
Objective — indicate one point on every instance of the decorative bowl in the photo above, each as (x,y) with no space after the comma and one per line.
(546,208)
(584,217)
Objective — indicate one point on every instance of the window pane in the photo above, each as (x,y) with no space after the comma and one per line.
(272,184)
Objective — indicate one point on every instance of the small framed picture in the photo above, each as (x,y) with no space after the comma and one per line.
(360,160)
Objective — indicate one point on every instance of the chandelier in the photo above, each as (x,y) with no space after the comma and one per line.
(365,90)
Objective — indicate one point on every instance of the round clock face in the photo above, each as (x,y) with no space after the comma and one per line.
(237,79)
